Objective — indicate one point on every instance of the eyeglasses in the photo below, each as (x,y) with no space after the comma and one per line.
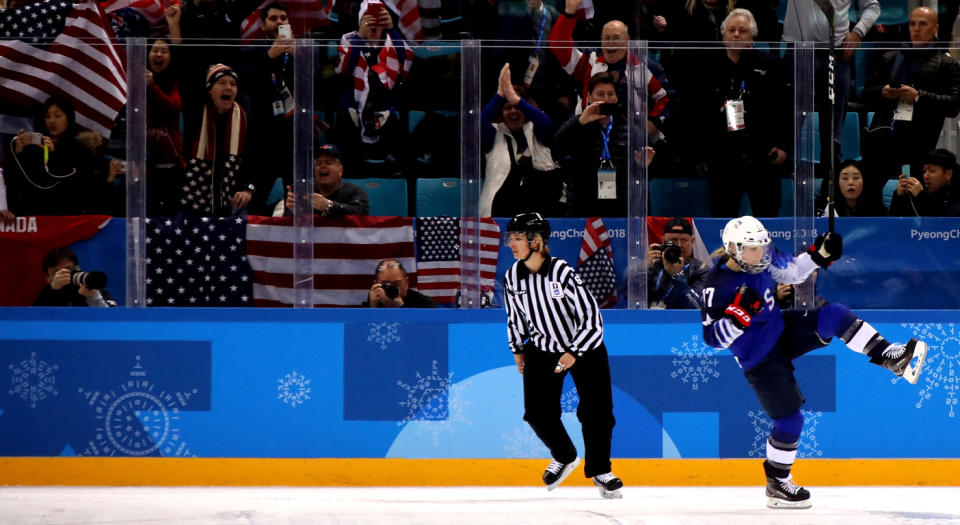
(326,162)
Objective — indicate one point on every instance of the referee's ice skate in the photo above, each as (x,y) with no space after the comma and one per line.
(785,494)
(609,485)
(905,360)
(556,472)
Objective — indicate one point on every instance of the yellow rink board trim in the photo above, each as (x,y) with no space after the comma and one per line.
(363,472)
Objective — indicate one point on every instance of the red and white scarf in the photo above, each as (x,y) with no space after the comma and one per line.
(388,68)
(201,194)
(409,22)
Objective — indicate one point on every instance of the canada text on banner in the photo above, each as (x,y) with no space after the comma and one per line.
(25,241)
(64,49)
(346,252)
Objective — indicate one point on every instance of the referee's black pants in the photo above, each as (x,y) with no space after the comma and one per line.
(542,391)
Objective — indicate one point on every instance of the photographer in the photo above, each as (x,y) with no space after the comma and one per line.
(391,288)
(674,276)
(68,285)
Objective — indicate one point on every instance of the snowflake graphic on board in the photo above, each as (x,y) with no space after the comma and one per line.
(384,333)
(940,377)
(570,400)
(33,380)
(138,419)
(524,444)
(293,389)
(695,362)
(434,403)
(808,447)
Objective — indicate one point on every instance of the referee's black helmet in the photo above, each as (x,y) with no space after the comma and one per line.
(530,223)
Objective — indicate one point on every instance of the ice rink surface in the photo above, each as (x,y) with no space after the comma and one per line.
(468,505)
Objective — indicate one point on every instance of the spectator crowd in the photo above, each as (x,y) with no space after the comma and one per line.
(554,130)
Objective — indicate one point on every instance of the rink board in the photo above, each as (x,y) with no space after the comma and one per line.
(292,393)
(369,472)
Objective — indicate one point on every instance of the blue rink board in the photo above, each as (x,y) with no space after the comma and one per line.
(430,384)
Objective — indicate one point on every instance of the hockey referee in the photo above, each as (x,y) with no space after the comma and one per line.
(554,326)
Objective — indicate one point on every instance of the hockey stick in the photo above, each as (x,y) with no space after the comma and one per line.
(828,11)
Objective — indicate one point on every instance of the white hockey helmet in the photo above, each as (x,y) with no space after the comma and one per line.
(746,231)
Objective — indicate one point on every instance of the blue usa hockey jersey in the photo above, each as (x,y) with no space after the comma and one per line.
(751,344)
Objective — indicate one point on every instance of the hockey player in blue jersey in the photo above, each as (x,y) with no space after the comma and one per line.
(740,314)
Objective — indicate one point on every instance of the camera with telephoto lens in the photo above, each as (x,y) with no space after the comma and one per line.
(92,280)
(671,251)
(391,290)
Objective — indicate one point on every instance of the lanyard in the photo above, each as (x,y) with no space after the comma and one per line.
(605,134)
(283,69)
(543,23)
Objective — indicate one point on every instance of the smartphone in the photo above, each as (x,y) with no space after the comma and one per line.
(34,138)
(123,166)
(374,9)
(284,31)
(607,108)
(894,84)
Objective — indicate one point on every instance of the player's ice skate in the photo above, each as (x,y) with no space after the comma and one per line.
(787,495)
(609,485)
(906,360)
(556,472)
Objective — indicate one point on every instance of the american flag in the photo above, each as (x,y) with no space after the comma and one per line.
(305,16)
(595,263)
(197,262)
(152,10)
(346,251)
(60,48)
(438,256)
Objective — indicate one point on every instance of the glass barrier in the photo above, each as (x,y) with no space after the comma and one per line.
(216,163)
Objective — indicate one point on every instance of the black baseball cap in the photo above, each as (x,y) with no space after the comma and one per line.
(678,225)
(328,149)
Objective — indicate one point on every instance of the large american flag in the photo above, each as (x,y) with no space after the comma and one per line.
(595,263)
(197,262)
(60,48)
(152,10)
(304,15)
(232,261)
(346,251)
(439,258)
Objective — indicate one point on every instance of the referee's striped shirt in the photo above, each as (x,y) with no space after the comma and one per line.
(551,308)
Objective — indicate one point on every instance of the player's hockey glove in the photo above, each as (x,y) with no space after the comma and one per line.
(745,305)
(827,248)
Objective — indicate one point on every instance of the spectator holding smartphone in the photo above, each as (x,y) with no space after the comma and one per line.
(597,142)
(936,196)
(270,67)
(50,172)
(376,60)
